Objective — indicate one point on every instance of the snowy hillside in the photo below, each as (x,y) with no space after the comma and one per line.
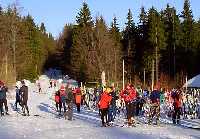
(44,123)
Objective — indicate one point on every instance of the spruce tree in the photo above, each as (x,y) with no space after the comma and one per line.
(129,42)
(82,44)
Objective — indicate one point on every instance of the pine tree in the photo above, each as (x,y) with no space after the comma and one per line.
(156,41)
(42,28)
(173,38)
(82,44)
(84,18)
(106,52)
(187,39)
(129,42)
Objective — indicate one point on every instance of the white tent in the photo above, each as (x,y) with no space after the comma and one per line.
(193,83)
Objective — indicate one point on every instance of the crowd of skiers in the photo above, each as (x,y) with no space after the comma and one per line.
(111,102)
(65,98)
(21,99)
(142,103)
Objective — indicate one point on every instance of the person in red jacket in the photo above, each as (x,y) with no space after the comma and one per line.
(58,102)
(177,107)
(78,99)
(129,95)
(104,102)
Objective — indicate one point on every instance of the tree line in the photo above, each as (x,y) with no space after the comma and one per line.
(164,45)
(24,46)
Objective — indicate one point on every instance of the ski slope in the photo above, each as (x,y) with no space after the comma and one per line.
(86,125)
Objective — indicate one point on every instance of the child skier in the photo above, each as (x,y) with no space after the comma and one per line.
(58,102)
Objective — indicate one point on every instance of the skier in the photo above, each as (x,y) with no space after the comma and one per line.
(18,97)
(58,102)
(69,101)
(3,100)
(154,106)
(63,97)
(78,99)
(177,108)
(104,102)
(112,108)
(129,95)
(39,87)
(24,95)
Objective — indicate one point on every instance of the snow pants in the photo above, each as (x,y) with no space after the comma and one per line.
(154,112)
(25,107)
(78,106)
(112,113)
(176,116)
(70,111)
(58,107)
(130,109)
(18,101)
(104,116)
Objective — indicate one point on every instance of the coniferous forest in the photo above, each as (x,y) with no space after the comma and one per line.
(163,44)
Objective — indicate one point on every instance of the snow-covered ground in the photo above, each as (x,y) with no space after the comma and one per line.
(86,125)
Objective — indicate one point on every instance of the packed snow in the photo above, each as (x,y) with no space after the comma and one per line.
(44,122)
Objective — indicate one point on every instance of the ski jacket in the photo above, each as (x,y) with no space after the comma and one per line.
(3,91)
(69,97)
(18,97)
(155,96)
(57,98)
(129,94)
(177,103)
(78,98)
(24,92)
(104,101)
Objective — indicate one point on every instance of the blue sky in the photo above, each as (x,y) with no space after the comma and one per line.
(56,13)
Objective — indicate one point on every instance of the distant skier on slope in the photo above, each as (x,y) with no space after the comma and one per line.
(58,102)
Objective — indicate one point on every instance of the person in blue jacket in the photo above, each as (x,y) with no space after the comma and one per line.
(18,97)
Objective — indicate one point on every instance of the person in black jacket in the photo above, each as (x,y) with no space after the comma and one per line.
(3,100)
(24,96)
(18,97)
